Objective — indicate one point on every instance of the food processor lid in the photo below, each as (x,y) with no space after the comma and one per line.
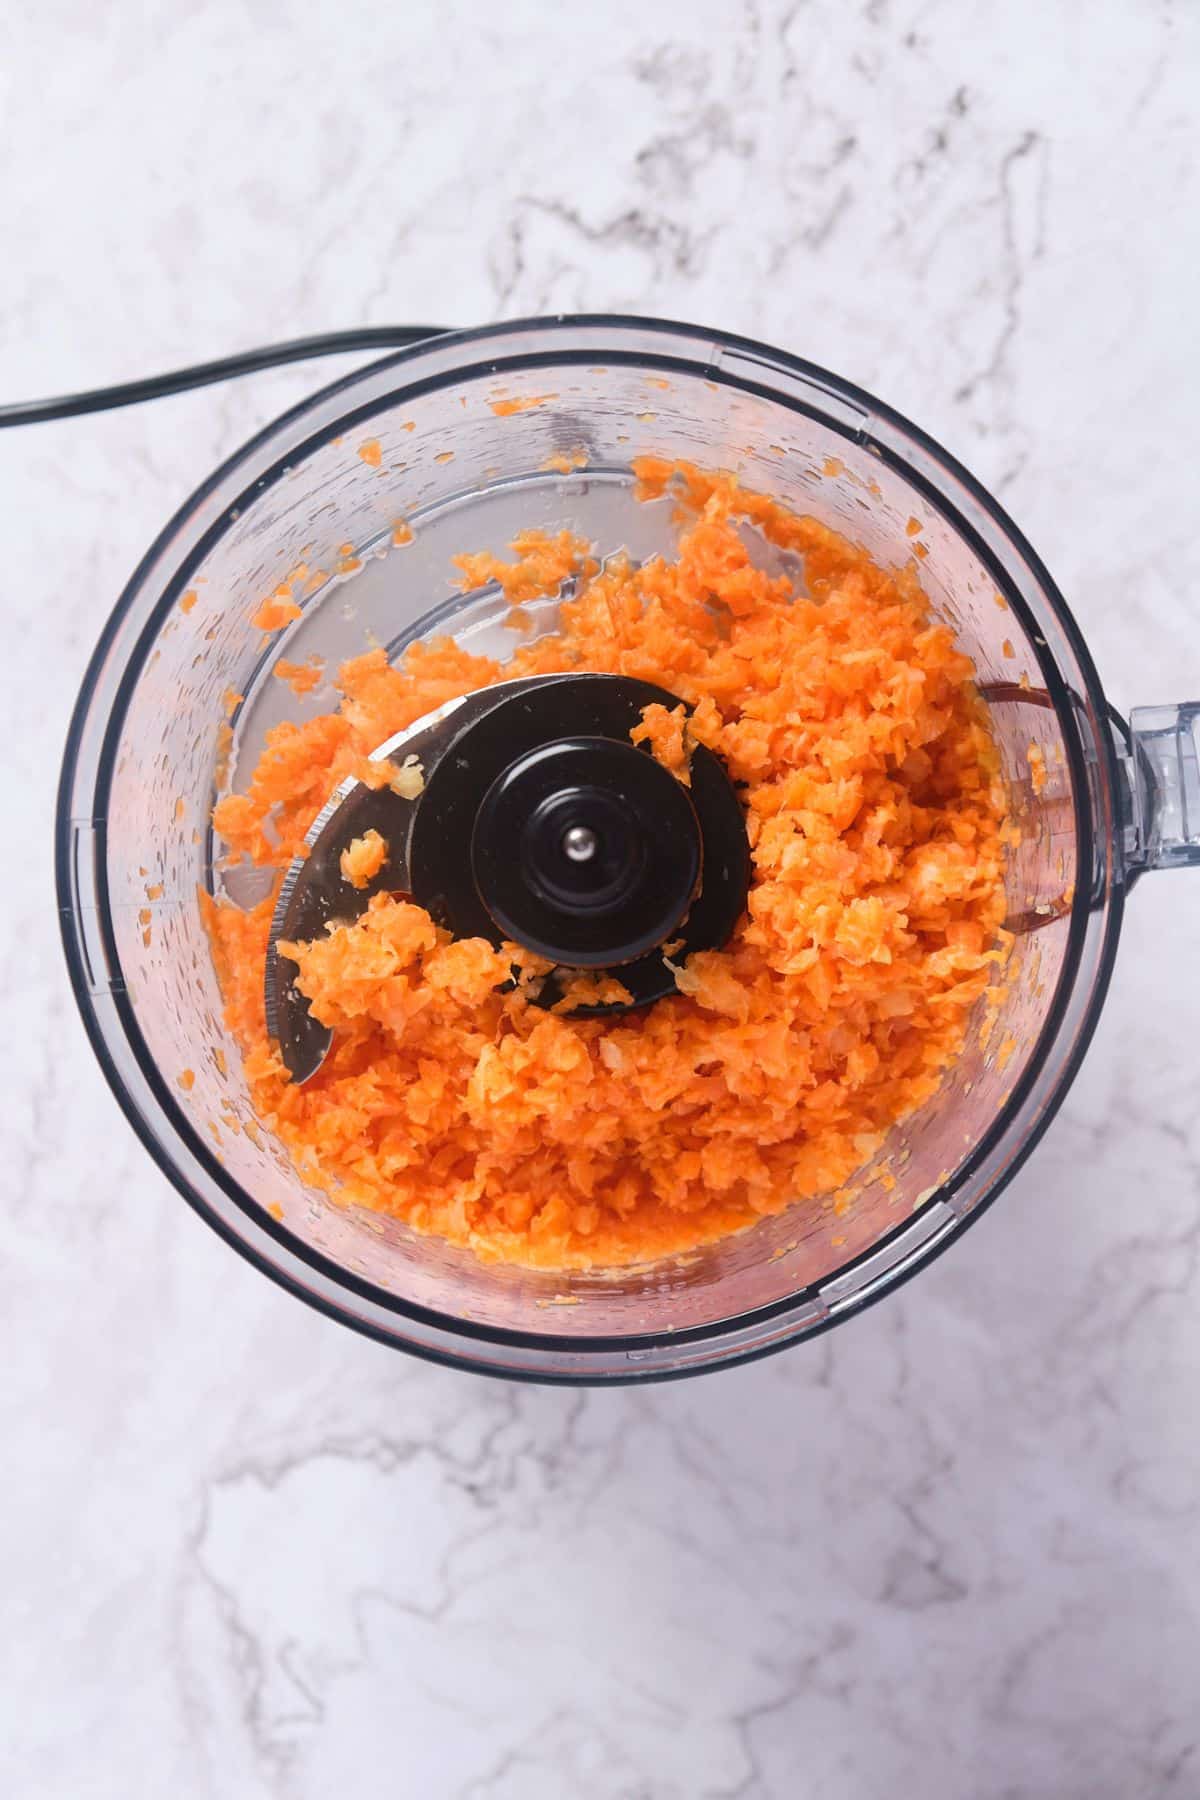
(524,813)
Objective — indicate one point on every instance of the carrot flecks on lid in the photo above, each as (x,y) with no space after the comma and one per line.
(277,610)
(565,462)
(505,408)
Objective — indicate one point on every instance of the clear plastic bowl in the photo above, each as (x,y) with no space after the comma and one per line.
(148,751)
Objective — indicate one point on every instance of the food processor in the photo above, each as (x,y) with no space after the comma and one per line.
(373,486)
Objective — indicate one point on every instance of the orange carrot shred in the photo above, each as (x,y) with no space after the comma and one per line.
(849,721)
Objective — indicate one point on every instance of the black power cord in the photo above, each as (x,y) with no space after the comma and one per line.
(155,387)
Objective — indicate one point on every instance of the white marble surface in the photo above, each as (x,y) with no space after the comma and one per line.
(954,1548)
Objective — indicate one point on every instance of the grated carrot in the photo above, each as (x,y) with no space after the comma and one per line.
(303,677)
(363,858)
(504,409)
(874,810)
(277,610)
(564,462)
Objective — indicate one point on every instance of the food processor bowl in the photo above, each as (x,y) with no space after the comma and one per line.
(372,487)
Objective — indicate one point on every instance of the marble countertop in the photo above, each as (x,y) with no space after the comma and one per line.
(952,1548)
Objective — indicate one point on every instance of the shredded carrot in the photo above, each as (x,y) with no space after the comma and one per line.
(363,858)
(371,452)
(665,730)
(564,462)
(504,409)
(303,677)
(408,780)
(874,810)
(542,564)
(277,610)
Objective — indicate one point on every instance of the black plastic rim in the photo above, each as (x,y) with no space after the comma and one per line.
(549,1342)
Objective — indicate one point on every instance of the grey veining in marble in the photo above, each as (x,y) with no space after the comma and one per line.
(952,1549)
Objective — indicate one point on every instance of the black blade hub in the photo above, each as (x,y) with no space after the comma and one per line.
(544,825)
(587,851)
(540,823)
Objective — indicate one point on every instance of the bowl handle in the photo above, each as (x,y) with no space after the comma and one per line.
(1162,829)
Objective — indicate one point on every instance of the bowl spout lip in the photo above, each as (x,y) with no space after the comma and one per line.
(153,1107)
